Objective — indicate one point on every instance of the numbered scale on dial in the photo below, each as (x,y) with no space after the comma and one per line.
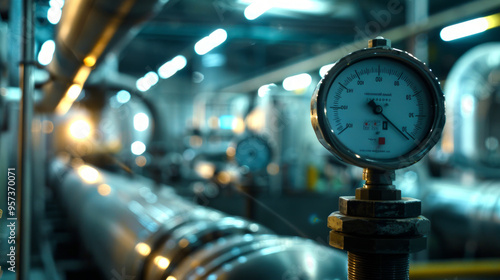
(378,108)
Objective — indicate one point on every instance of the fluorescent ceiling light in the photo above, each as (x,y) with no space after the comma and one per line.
(138,148)
(145,83)
(56,3)
(470,27)
(151,78)
(464,29)
(323,70)
(46,52)
(54,15)
(210,42)
(142,85)
(141,122)
(257,8)
(296,82)
(301,6)
(171,67)
(265,89)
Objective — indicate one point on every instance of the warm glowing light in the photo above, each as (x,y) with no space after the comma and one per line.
(205,170)
(143,248)
(141,161)
(224,177)
(74,91)
(88,174)
(138,148)
(171,278)
(141,122)
(213,122)
(46,52)
(257,8)
(256,120)
(238,125)
(89,61)
(36,125)
(80,129)
(323,70)
(231,151)
(210,42)
(82,75)
(297,82)
(161,262)
(195,141)
(104,189)
(171,67)
(273,168)
(183,243)
(71,95)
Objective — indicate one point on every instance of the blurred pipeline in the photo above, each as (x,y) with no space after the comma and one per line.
(132,226)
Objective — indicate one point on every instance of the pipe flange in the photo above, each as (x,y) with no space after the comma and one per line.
(379,227)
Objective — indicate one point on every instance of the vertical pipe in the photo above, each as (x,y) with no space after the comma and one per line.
(24,148)
(417,11)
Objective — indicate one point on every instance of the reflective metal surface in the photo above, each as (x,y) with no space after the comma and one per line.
(472,95)
(133,226)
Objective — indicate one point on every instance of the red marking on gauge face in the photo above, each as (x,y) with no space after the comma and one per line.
(381,140)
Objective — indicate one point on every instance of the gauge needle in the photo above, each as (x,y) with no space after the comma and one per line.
(377,109)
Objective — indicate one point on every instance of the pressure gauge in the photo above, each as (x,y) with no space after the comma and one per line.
(378,108)
(253,152)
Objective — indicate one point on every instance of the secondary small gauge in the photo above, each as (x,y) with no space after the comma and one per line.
(378,108)
(254,152)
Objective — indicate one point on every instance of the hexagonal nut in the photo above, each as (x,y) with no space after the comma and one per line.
(362,244)
(375,194)
(405,208)
(378,226)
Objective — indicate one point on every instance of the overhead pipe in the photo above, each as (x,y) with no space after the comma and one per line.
(87,31)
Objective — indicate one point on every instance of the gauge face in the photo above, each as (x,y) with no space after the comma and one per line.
(379,109)
(253,152)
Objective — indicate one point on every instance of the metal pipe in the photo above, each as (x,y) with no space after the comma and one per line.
(89,30)
(465,218)
(24,192)
(134,228)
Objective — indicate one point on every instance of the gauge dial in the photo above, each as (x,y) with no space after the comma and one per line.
(253,152)
(378,108)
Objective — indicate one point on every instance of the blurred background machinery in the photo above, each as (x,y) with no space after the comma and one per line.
(151,127)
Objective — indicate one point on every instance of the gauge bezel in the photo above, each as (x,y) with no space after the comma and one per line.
(326,134)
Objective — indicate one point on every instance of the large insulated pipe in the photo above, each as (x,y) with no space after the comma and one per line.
(136,228)
(465,218)
(87,31)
